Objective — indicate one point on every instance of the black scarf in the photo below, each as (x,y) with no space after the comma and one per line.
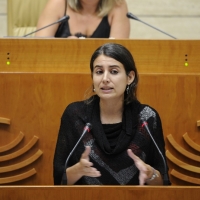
(129,126)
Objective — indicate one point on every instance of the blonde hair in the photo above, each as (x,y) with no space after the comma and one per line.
(103,8)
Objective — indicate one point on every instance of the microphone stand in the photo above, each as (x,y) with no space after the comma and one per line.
(165,177)
(66,17)
(131,16)
(86,129)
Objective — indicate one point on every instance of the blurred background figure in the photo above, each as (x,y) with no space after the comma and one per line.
(88,19)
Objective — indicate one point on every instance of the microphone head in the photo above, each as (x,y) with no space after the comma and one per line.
(144,123)
(66,17)
(130,15)
(89,126)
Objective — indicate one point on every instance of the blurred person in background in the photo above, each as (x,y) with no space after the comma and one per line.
(87,19)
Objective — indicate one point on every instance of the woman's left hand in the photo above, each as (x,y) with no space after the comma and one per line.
(146,171)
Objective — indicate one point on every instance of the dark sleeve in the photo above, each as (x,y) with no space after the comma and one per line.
(61,149)
(71,127)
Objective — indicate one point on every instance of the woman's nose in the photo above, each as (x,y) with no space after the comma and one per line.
(106,77)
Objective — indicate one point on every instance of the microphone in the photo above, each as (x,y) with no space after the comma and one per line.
(87,128)
(66,17)
(165,178)
(131,16)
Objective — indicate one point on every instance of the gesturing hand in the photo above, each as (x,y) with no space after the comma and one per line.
(85,165)
(145,170)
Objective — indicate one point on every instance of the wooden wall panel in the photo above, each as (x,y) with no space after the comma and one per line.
(65,55)
(34,104)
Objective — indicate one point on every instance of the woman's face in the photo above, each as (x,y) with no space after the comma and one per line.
(109,78)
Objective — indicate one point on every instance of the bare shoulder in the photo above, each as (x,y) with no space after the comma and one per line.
(118,12)
(53,10)
(119,22)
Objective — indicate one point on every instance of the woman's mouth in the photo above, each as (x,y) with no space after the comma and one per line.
(106,89)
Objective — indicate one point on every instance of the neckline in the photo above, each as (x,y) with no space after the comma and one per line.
(79,34)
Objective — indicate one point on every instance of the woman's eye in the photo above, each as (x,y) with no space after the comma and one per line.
(114,71)
(99,72)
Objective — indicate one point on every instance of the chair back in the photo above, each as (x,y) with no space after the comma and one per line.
(22,16)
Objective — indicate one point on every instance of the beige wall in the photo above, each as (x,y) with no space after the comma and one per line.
(3,18)
(180,19)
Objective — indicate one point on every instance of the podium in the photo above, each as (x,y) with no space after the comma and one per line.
(99,192)
(40,77)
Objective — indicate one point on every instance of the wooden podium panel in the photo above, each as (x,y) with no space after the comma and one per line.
(73,55)
(100,193)
(34,103)
(45,75)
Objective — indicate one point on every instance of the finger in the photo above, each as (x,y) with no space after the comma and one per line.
(142,167)
(132,155)
(138,162)
(86,163)
(142,177)
(86,153)
(91,171)
(141,180)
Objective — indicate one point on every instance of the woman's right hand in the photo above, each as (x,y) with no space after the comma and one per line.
(85,166)
(82,168)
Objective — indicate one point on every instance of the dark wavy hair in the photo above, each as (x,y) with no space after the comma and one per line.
(122,55)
